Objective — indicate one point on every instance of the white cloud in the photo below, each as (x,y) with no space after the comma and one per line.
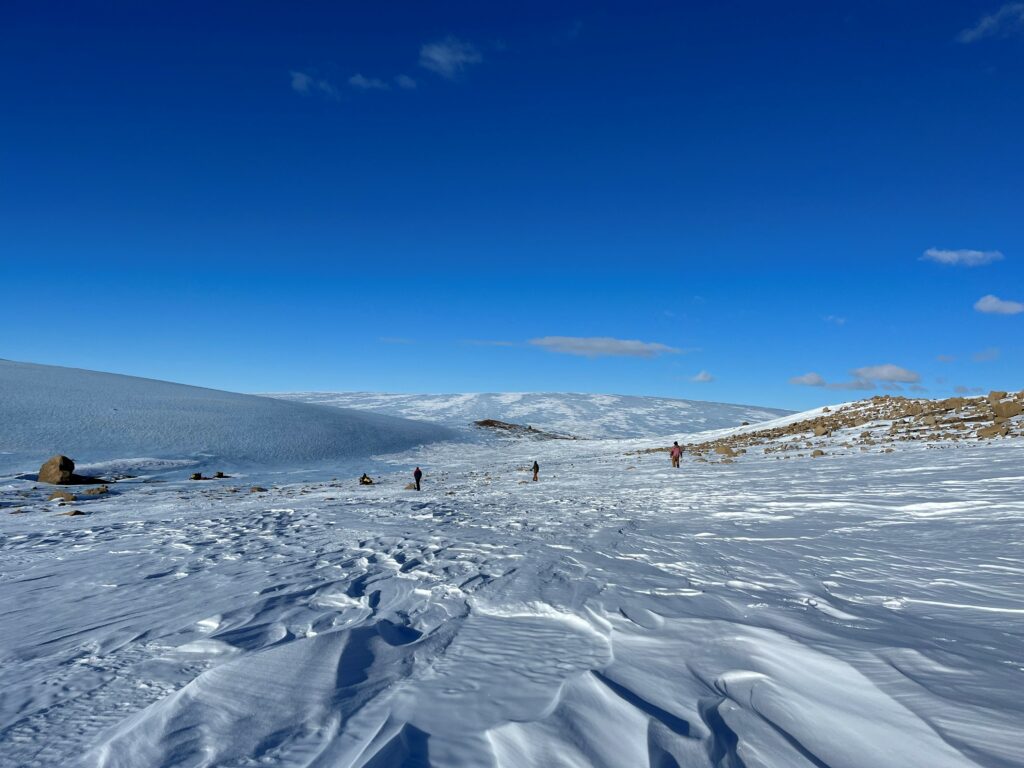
(871,377)
(448,57)
(808,380)
(992,305)
(963,257)
(406,82)
(602,346)
(303,82)
(887,372)
(859,384)
(367,83)
(1007,21)
(835,320)
(703,377)
(986,355)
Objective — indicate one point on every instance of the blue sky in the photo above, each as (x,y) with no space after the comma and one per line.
(730,201)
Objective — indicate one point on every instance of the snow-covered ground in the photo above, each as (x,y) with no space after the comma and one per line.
(857,610)
(864,609)
(46,410)
(581,415)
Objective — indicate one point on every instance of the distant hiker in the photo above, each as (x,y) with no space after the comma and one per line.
(676,452)
(365,479)
(417,476)
(536,471)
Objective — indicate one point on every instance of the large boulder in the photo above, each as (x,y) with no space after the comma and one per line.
(1008,409)
(59,470)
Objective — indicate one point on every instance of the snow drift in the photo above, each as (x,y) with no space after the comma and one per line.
(94,416)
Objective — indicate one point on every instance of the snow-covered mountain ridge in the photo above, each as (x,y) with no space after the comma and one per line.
(579,415)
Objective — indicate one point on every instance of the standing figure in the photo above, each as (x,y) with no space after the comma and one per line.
(675,453)
(417,476)
(536,471)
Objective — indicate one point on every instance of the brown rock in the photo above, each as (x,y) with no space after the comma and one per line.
(995,396)
(73,513)
(724,450)
(97,491)
(61,496)
(996,430)
(1008,409)
(196,476)
(58,470)
(817,452)
(820,430)
(257,489)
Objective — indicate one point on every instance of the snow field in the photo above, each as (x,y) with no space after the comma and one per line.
(863,610)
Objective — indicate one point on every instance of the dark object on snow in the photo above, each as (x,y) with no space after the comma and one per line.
(257,489)
(417,476)
(365,479)
(519,430)
(97,491)
(197,476)
(219,475)
(60,470)
(536,471)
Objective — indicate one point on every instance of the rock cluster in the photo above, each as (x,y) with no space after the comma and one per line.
(877,424)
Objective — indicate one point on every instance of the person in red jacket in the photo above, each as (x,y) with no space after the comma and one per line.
(676,452)
(417,476)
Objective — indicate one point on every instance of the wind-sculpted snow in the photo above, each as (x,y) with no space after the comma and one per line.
(863,610)
(581,415)
(95,417)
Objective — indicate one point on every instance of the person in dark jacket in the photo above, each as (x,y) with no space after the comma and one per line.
(536,471)
(417,476)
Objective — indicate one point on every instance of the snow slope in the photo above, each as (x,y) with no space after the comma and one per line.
(94,417)
(861,610)
(592,416)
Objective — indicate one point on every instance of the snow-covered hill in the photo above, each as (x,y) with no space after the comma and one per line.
(581,415)
(93,417)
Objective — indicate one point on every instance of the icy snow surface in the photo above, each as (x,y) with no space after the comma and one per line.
(863,609)
(572,414)
(93,416)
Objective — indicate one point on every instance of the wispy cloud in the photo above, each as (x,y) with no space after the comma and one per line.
(603,346)
(449,57)
(887,376)
(809,380)
(703,378)
(962,390)
(962,257)
(986,355)
(395,340)
(490,343)
(1007,21)
(993,305)
(367,83)
(918,388)
(406,82)
(888,373)
(945,358)
(834,320)
(303,82)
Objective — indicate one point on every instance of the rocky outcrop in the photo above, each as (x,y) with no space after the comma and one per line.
(60,470)
(876,424)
